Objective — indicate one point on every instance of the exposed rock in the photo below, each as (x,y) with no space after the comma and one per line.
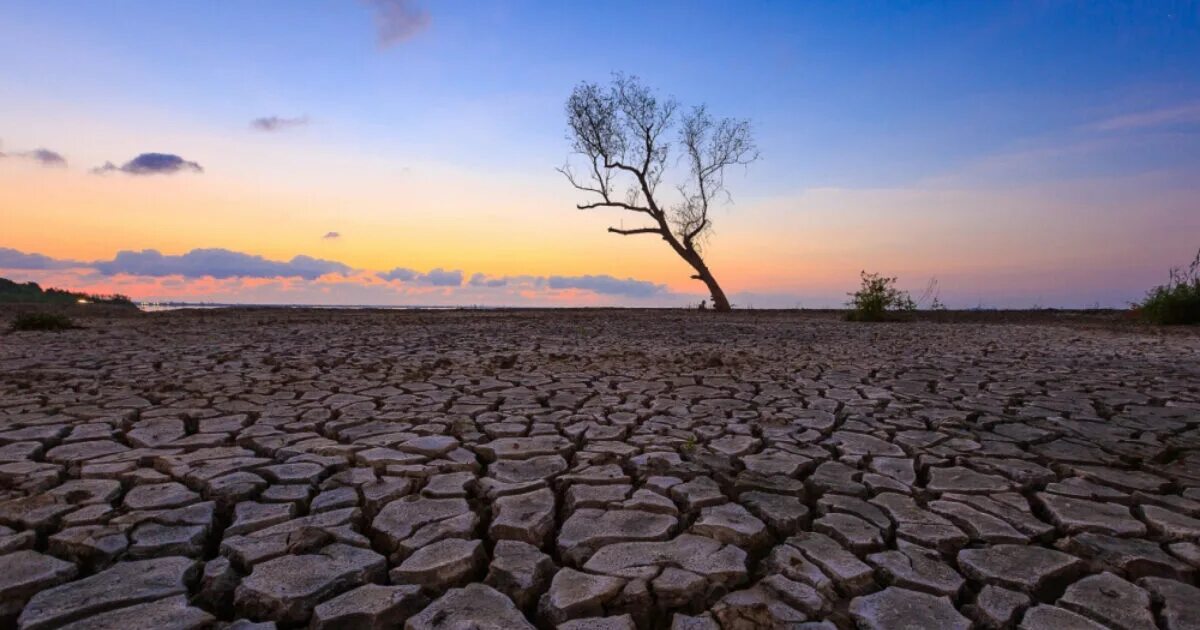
(24,573)
(756,607)
(407,524)
(852,532)
(688,622)
(525,517)
(124,584)
(1023,568)
(1167,525)
(1111,601)
(587,530)
(624,622)
(846,570)
(171,613)
(150,539)
(917,570)
(369,607)
(287,589)
(440,565)
(897,608)
(524,447)
(520,571)
(783,514)
(217,584)
(1178,601)
(980,526)
(475,606)
(574,594)
(429,446)
(669,461)
(92,546)
(964,481)
(1132,557)
(1047,617)
(1073,516)
(733,524)
(997,607)
(250,516)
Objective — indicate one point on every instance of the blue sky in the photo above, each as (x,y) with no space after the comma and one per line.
(853,96)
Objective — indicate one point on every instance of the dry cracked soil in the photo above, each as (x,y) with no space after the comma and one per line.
(597,469)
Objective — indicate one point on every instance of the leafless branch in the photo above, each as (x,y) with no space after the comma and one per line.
(621,131)
(635,231)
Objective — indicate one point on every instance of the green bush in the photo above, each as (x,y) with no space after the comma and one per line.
(1177,301)
(31,292)
(879,300)
(43,321)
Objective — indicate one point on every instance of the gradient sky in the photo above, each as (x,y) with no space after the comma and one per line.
(1023,153)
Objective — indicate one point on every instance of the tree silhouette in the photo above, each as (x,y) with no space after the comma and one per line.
(622,131)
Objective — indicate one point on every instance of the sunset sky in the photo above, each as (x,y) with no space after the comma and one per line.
(403,152)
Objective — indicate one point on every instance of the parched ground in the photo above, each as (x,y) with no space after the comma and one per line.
(597,469)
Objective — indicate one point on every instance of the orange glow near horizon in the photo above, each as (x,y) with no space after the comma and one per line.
(815,241)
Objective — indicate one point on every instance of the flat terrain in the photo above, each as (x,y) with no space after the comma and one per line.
(502,469)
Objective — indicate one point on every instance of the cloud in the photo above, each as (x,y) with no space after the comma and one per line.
(13,259)
(436,277)
(277,123)
(601,285)
(480,280)
(151,164)
(332,235)
(152,274)
(45,157)
(399,274)
(216,263)
(441,278)
(397,21)
(608,285)
(1184,114)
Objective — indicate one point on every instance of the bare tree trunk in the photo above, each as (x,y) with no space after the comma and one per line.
(720,302)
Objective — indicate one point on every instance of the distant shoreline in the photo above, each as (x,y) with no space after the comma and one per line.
(151,307)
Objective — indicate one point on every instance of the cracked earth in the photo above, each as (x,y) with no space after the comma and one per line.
(597,469)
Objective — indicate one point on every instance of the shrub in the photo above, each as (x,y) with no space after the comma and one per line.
(43,321)
(1177,301)
(878,300)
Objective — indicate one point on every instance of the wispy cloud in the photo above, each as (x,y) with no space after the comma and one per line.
(1189,113)
(277,123)
(442,278)
(151,164)
(436,277)
(217,263)
(45,157)
(608,285)
(399,274)
(481,280)
(13,259)
(241,277)
(397,21)
(332,235)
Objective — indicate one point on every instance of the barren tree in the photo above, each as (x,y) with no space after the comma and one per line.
(622,132)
